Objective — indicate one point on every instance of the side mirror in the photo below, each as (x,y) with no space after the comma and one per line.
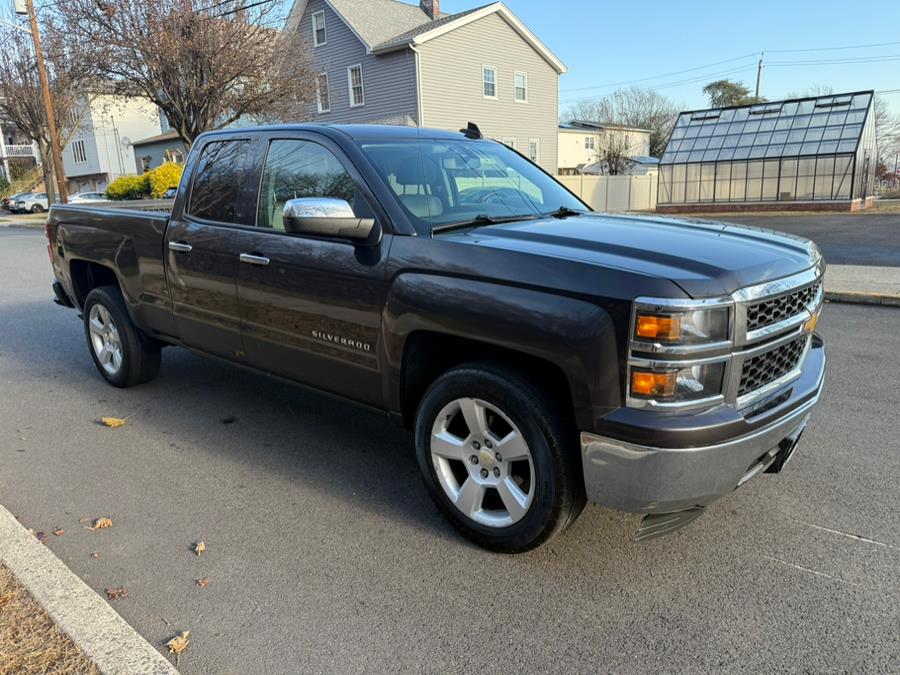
(329,217)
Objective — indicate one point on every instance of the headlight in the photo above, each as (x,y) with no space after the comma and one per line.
(678,352)
(675,385)
(693,326)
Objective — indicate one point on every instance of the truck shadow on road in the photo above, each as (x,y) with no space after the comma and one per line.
(225,414)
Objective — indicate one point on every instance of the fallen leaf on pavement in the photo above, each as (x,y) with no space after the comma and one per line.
(59,532)
(116,593)
(41,536)
(95,555)
(203,583)
(113,422)
(199,548)
(178,643)
(101,524)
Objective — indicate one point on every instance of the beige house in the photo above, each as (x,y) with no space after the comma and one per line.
(390,62)
(581,143)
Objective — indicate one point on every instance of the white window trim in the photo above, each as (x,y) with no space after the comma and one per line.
(316,43)
(509,141)
(485,67)
(525,75)
(319,93)
(537,142)
(362,86)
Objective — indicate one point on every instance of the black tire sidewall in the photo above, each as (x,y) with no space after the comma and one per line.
(518,400)
(111,298)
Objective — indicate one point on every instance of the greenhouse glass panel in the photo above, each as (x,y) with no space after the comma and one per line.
(820,148)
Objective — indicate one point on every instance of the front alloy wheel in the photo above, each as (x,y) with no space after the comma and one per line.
(498,456)
(482,462)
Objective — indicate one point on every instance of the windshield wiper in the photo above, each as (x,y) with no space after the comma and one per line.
(479,220)
(564,212)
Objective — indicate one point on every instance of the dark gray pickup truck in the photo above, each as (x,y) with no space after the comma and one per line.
(543,355)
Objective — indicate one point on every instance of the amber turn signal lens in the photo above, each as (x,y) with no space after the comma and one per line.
(658,327)
(656,385)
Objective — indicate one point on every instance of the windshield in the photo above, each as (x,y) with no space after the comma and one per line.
(443,182)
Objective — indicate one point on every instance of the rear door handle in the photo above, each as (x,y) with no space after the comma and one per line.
(254,259)
(180,247)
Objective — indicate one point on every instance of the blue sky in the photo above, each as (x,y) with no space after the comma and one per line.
(609,42)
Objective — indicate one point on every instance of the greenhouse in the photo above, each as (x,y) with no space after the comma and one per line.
(819,151)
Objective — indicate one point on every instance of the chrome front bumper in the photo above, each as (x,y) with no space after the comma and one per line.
(646,479)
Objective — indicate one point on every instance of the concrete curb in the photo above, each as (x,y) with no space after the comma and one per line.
(104,636)
(855,298)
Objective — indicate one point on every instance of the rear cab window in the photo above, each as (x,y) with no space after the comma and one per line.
(218,180)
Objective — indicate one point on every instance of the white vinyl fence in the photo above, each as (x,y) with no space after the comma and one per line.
(614,193)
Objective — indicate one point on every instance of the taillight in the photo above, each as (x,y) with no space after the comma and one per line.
(49,240)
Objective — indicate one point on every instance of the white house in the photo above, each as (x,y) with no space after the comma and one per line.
(101,149)
(580,143)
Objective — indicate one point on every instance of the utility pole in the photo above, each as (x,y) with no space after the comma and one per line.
(48,103)
(758,72)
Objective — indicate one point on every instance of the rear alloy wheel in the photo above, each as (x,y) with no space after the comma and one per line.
(498,458)
(122,353)
(37,208)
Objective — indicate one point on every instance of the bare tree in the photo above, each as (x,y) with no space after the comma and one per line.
(614,152)
(21,101)
(634,107)
(887,129)
(204,67)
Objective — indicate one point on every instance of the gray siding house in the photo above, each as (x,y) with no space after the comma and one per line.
(389,62)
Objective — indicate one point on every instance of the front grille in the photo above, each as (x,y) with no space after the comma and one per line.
(767,367)
(768,312)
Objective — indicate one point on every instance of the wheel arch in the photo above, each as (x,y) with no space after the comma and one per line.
(432,324)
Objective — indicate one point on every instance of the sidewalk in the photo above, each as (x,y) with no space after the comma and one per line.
(863,284)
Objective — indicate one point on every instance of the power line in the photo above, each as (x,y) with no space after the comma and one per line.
(831,49)
(658,77)
(825,62)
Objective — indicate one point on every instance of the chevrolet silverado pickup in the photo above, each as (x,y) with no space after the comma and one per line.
(542,355)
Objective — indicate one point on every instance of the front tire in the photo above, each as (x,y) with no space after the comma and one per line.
(123,355)
(497,458)
(37,208)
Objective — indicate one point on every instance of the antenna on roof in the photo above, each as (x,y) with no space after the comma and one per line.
(472,131)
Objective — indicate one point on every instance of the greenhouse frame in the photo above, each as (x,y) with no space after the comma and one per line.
(817,152)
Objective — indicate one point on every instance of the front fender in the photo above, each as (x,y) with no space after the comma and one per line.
(573,334)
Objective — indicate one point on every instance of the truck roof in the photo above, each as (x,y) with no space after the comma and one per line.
(354,131)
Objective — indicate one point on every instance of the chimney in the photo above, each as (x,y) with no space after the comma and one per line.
(431,7)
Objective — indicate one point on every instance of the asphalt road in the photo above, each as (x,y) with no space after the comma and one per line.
(325,554)
(845,239)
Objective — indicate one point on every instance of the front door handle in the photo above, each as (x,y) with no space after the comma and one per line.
(181,247)
(251,259)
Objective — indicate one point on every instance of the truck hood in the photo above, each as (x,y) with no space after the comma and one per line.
(705,258)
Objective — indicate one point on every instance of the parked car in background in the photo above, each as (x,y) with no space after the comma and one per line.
(34,202)
(88,197)
(170,193)
(9,203)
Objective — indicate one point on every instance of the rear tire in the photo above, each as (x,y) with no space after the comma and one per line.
(123,355)
(508,503)
(37,208)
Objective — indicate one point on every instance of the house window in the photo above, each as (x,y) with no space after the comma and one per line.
(521,83)
(146,163)
(323,97)
(318,23)
(590,143)
(173,155)
(510,142)
(79,152)
(534,150)
(355,82)
(489,81)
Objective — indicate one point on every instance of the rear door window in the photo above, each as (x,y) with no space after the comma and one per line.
(218,180)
